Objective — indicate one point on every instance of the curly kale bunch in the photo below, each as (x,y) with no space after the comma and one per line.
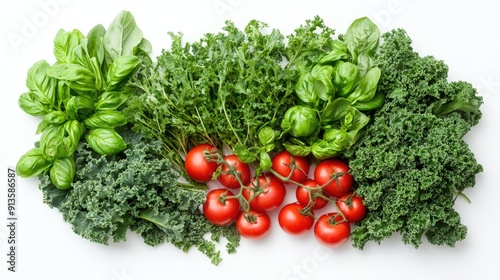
(412,162)
(136,189)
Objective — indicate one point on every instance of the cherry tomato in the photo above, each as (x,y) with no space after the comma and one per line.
(331,168)
(352,207)
(219,209)
(303,197)
(283,162)
(292,221)
(242,169)
(271,196)
(332,230)
(197,166)
(253,224)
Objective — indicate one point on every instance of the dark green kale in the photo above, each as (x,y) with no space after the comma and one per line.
(412,162)
(136,189)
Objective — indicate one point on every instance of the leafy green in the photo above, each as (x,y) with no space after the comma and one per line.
(222,89)
(135,190)
(338,81)
(84,90)
(412,162)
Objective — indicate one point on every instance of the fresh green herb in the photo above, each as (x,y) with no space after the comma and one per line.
(81,96)
(135,189)
(336,84)
(222,89)
(412,163)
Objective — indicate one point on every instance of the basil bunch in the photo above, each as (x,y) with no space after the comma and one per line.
(81,96)
(333,92)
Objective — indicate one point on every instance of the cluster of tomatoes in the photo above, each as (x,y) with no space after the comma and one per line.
(247,200)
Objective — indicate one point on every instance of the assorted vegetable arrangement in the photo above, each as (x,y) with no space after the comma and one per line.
(365,132)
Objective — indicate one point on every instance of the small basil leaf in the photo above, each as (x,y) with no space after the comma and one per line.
(52,118)
(79,107)
(95,46)
(41,85)
(300,121)
(375,103)
(367,87)
(120,70)
(110,101)
(297,150)
(346,77)
(244,154)
(322,149)
(123,36)
(334,111)
(338,51)
(361,36)
(265,161)
(64,44)
(105,119)
(266,135)
(29,104)
(32,163)
(62,172)
(105,141)
(305,90)
(53,143)
(77,77)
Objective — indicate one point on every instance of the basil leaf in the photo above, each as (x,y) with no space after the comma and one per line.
(95,45)
(42,86)
(120,70)
(123,36)
(77,77)
(338,51)
(367,87)
(52,118)
(300,121)
(74,131)
(297,150)
(32,163)
(105,119)
(265,161)
(79,107)
(64,44)
(334,111)
(105,141)
(346,77)
(62,172)
(322,149)
(29,104)
(244,154)
(267,135)
(305,90)
(110,101)
(375,103)
(323,85)
(63,94)
(53,143)
(361,36)
(354,120)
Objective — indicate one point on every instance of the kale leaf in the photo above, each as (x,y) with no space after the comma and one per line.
(412,162)
(136,189)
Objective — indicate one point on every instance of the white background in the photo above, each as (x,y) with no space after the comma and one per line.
(465,34)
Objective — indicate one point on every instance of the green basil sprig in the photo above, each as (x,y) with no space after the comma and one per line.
(81,95)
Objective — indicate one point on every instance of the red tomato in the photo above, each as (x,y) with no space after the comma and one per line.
(352,207)
(292,221)
(303,196)
(242,169)
(332,230)
(253,225)
(272,195)
(219,209)
(197,166)
(327,170)
(284,162)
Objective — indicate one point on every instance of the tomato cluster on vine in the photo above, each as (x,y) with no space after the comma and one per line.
(246,199)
